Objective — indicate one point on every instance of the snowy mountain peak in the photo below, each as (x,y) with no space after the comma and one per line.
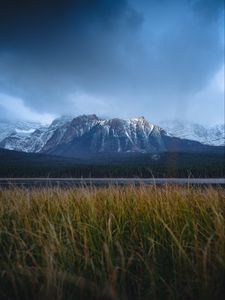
(139,119)
(107,134)
(209,135)
(92,134)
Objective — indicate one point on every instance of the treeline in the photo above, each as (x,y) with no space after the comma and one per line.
(142,165)
(88,171)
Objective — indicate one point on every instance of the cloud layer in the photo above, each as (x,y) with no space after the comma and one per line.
(126,58)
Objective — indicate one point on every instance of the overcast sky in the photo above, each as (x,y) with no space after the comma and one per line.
(163,59)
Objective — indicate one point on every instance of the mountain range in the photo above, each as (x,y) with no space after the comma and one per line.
(208,135)
(88,134)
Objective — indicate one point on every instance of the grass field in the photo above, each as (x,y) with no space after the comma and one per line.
(112,243)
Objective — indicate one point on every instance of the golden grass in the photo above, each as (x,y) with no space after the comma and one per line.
(112,243)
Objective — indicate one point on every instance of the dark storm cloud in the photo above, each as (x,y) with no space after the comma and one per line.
(55,48)
(126,57)
(26,22)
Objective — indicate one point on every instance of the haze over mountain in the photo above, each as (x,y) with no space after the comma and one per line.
(209,135)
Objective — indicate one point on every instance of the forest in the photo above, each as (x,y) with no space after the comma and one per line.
(17,164)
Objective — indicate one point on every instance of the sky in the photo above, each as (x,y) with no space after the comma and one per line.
(162,59)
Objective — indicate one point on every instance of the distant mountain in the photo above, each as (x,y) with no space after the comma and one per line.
(20,129)
(86,135)
(209,135)
(29,137)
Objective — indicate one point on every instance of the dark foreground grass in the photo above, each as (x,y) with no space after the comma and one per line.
(112,243)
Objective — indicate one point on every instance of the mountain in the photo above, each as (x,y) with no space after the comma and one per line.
(19,129)
(208,135)
(29,137)
(88,135)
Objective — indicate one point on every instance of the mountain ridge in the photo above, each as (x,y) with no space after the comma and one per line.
(208,135)
(88,134)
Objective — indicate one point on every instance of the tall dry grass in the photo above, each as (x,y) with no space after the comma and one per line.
(112,243)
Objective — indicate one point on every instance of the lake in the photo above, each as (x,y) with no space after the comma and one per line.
(48,182)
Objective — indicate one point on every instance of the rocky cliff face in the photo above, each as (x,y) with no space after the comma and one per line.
(89,134)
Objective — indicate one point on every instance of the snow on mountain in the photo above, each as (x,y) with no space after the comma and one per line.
(89,134)
(208,135)
(103,135)
(24,131)
(16,127)
(120,135)
(70,129)
(28,136)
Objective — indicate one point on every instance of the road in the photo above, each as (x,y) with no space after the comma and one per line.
(64,182)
